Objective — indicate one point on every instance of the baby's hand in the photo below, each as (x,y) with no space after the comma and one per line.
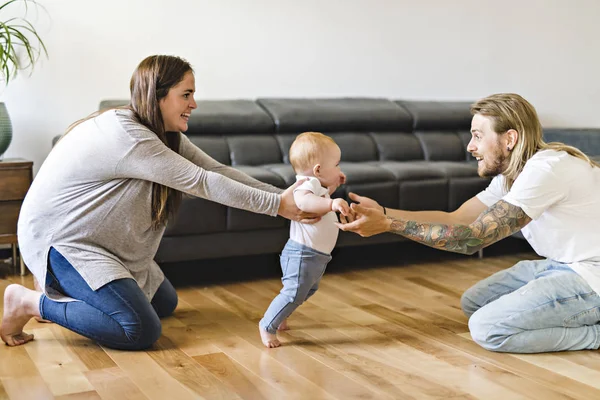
(341,206)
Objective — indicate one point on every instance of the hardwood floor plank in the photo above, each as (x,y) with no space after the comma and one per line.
(550,379)
(113,383)
(3,394)
(338,361)
(246,384)
(248,351)
(360,337)
(80,396)
(26,387)
(189,331)
(328,347)
(473,366)
(564,367)
(437,313)
(149,377)
(60,371)
(85,350)
(188,372)
(330,380)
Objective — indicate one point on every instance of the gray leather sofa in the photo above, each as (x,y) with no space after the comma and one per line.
(409,155)
(405,154)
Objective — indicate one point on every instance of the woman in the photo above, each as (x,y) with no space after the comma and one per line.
(94,216)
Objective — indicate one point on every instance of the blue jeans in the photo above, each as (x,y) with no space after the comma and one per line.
(117,315)
(302,269)
(533,307)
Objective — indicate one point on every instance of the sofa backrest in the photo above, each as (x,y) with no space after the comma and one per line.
(354,123)
(442,128)
(366,129)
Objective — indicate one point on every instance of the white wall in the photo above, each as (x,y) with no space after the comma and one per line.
(545,50)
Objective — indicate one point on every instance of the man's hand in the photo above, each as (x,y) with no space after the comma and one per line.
(365,201)
(341,206)
(288,208)
(367,221)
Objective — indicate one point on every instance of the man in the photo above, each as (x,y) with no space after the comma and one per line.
(551,192)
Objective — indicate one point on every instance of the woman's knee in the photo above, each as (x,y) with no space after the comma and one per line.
(141,333)
(165,300)
(167,305)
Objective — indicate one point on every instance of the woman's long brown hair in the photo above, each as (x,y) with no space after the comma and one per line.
(150,83)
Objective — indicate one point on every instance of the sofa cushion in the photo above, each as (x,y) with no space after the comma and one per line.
(240,220)
(214,146)
(441,146)
(419,186)
(410,171)
(255,150)
(227,117)
(454,169)
(336,115)
(438,115)
(197,216)
(284,171)
(356,147)
(397,146)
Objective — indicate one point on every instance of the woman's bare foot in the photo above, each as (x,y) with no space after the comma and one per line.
(283,326)
(269,339)
(38,288)
(20,305)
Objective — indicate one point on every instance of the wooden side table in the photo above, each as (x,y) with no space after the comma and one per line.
(16,176)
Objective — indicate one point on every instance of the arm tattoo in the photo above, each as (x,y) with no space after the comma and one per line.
(497,222)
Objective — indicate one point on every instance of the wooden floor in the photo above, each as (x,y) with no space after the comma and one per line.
(377,333)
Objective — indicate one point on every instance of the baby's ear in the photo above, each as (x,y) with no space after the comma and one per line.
(317,169)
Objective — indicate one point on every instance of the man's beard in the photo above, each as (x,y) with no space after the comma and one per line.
(499,164)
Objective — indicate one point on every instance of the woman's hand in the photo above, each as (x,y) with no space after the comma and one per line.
(366,221)
(288,208)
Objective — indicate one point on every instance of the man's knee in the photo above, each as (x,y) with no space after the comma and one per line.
(467,304)
(488,332)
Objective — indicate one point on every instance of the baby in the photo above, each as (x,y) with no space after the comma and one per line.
(307,252)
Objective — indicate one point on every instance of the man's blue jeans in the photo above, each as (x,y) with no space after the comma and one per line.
(533,307)
(118,315)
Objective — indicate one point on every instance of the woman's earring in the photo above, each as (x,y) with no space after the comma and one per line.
(508,148)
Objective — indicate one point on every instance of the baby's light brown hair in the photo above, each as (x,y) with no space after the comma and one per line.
(306,150)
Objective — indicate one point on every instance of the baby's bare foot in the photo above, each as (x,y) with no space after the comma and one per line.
(269,339)
(283,326)
(20,305)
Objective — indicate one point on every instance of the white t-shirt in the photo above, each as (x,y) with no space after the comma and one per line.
(561,194)
(322,235)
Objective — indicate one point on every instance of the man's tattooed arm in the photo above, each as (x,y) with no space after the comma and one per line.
(497,222)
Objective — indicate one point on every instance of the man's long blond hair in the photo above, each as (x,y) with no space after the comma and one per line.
(306,150)
(511,111)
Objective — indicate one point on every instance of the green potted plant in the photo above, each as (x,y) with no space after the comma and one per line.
(20,49)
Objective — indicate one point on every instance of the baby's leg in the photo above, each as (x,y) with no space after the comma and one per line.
(283,326)
(298,274)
